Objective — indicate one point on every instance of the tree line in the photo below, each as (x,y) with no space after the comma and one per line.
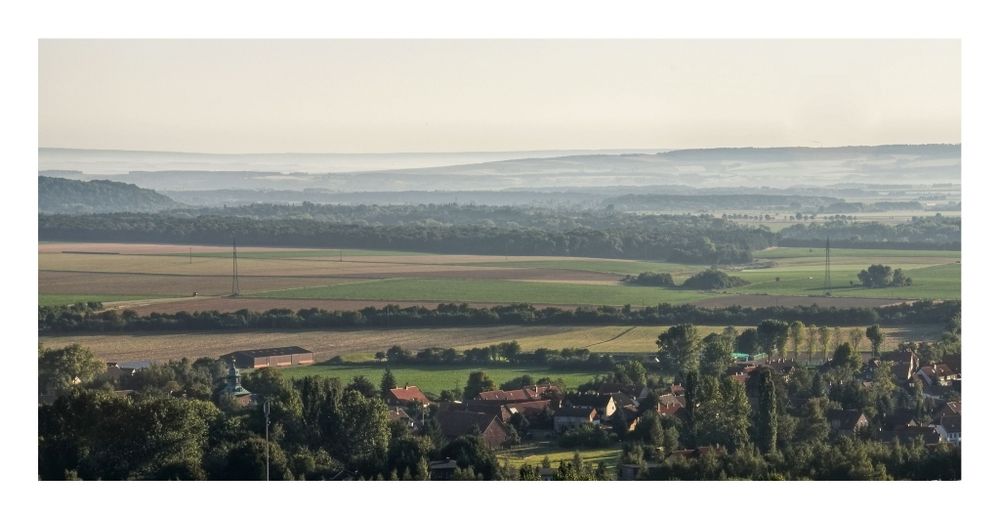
(91,317)
(928,232)
(688,239)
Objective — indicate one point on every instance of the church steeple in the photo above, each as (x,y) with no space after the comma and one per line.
(233,387)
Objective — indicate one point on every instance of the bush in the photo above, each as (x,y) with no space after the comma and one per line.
(650,279)
(586,436)
(713,279)
(881,276)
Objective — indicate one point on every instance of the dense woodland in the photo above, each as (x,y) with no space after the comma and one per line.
(455,229)
(92,317)
(719,202)
(931,232)
(57,195)
(666,238)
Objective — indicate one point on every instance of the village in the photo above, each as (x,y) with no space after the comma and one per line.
(648,417)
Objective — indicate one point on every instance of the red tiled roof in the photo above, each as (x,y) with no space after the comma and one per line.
(456,422)
(517,395)
(529,409)
(577,411)
(524,394)
(409,394)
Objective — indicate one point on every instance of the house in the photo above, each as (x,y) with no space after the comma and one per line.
(741,369)
(626,417)
(950,427)
(407,395)
(904,364)
(492,407)
(669,404)
(938,375)
(899,419)
(533,411)
(525,394)
(953,408)
(604,404)
(443,470)
(847,422)
(568,417)
(397,414)
(611,388)
(927,435)
(458,422)
(117,370)
(623,399)
(271,357)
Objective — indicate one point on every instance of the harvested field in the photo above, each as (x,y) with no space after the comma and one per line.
(362,344)
(781,276)
(326,344)
(141,248)
(52,282)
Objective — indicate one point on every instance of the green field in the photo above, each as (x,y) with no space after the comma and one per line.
(297,253)
(491,291)
(818,254)
(929,282)
(596,265)
(533,453)
(435,379)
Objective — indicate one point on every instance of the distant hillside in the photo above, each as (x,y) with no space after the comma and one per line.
(719,168)
(66,196)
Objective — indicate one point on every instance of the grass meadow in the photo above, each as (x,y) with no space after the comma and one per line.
(435,379)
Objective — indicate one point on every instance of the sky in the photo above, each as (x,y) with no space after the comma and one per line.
(384,96)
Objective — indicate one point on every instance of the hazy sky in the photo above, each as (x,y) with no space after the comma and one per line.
(486,95)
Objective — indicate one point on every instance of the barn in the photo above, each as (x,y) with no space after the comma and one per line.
(271,357)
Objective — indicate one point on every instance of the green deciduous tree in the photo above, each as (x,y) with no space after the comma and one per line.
(680,348)
(767,416)
(877,337)
(716,353)
(796,334)
(772,335)
(60,369)
(478,382)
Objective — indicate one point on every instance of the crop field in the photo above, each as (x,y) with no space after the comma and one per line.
(69,299)
(157,276)
(435,379)
(361,345)
(929,282)
(495,291)
(620,267)
(352,345)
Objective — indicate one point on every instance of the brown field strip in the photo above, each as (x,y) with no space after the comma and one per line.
(362,344)
(326,344)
